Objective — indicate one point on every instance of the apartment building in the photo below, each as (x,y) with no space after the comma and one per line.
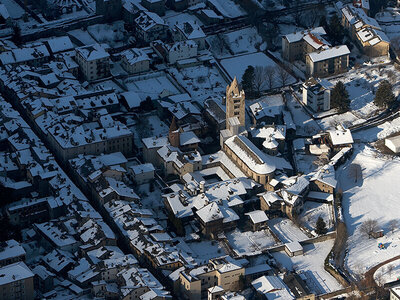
(223,272)
(93,61)
(317,94)
(328,62)
(16,282)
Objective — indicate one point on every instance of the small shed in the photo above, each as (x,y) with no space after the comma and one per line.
(293,248)
(393,143)
(377,233)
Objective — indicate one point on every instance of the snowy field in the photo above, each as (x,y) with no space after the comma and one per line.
(152,86)
(286,230)
(311,265)
(246,40)
(112,34)
(312,211)
(235,66)
(375,196)
(201,82)
(247,243)
(388,273)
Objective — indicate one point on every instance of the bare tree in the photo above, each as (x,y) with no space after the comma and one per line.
(259,78)
(355,172)
(270,76)
(393,224)
(368,227)
(283,76)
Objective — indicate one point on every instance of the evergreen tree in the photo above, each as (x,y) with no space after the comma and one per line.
(335,30)
(320,226)
(384,96)
(248,81)
(16,36)
(322,22)
(340,97)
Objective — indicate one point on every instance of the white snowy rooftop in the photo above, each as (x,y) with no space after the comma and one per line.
(14,272)
(329,53)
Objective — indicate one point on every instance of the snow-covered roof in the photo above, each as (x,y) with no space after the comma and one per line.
(257,216)
(299,35)
(329,53)
(14,272)
(155,142)
(10,249)
(4,12)
(326,175)
(272,287)
(294,246)
(188,138)
(253,157)
(60,44)
(92,52)
(340,136)
(147,20)
(191,30)
(143,168)
(134,55)
(210,212)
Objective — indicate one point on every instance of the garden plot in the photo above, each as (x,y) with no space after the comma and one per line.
(374,196)
(249,243)
(311,266)
(235,66)
(201,82)
(312,211)
(286,230)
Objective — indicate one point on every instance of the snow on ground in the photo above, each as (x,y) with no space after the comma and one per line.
(388,273)
(347,119)
(245,243)
(201,82)
(150,86)
(150,125)
(172,17)
(112,34)
(83,36)
(312,211)
(204,250)
(245,40)
(235,66)
(311,264)
(286,230)
(375,196)
(228,8)
(305,162)
(305,125)
(105,85)
(378,132)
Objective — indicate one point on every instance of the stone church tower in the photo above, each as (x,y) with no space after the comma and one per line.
(174,134)
(235,104)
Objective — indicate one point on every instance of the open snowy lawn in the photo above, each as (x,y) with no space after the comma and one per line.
(241,41)
(375,196)
(172,17)
(347,119)
(204,250)
(201,82)
(388,273)
(250,242)
(286,230)
(311,265)
(312,211)
(235,66)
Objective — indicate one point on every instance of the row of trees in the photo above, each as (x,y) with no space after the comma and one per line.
(259,78)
